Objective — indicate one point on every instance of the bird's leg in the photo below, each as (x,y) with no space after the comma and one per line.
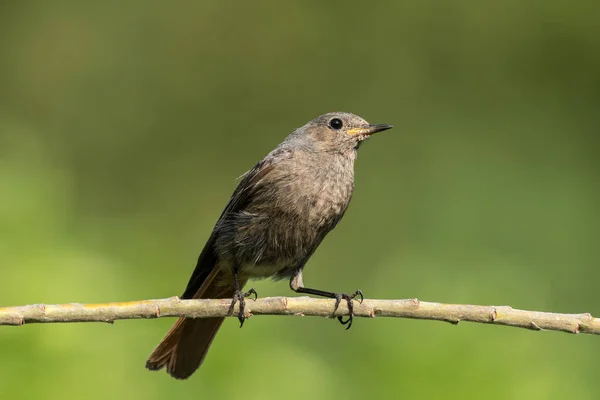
(297,286)
(240,296)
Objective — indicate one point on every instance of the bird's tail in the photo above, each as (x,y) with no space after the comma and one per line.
(184,347)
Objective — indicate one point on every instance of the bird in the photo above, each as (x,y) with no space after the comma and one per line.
(274,221)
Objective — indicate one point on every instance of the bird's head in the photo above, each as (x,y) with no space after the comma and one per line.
(336,132)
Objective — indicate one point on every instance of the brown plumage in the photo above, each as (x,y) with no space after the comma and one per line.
(276,218)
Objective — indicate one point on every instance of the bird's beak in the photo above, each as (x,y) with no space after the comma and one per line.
(369,130)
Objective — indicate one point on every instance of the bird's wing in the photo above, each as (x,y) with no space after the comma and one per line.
(241,196)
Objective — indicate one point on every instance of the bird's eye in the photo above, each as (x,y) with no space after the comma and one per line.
(336,123)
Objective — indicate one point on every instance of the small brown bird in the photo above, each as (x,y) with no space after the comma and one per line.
(275,220)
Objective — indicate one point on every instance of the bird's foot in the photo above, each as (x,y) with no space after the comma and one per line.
(349,299)
(241,297)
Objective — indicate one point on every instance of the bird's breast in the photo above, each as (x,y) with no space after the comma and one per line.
(288,216)
(317,193)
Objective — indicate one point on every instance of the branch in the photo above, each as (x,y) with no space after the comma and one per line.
(301,306)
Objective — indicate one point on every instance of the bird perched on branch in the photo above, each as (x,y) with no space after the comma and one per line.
(275,220)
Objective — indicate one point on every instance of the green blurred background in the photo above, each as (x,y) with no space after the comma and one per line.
(123,127)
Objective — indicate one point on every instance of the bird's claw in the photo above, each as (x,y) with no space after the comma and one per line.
(349,299)
(241,297)
(252,292)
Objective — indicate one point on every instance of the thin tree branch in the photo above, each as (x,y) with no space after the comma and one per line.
(303,306)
